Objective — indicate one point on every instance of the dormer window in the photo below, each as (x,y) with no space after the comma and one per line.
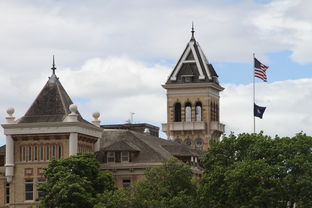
(110,157)
(124,156)
(187,78)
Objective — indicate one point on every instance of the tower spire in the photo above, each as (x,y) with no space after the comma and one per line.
(53,66)
(193,38)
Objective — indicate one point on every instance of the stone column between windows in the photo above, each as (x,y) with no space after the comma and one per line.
(73,143)
(9,158)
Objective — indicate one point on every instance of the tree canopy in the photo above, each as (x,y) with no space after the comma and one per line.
(253,170)
(167,186)
(74,182)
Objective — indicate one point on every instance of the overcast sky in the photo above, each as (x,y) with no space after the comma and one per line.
(113,55)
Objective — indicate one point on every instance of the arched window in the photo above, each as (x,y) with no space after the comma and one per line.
(188,112)
(177,112)
(198,111)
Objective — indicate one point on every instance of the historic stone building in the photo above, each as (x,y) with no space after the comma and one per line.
(193,115)
(53,128)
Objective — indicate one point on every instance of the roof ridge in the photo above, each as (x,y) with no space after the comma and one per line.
(62,100)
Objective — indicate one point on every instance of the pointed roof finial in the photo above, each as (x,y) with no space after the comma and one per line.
(53,66)
(193,31)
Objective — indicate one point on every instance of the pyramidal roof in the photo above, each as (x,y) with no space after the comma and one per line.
(51,105)
(193,66)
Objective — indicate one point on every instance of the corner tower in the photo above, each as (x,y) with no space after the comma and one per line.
(51,128)
(193,99)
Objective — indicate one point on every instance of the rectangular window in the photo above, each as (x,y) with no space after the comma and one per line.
(41,152)
(35,152)
(7,193)
(110,157)
(29,189)
(29,153)
(40,192)
(54,151)
(59,151)
(23,153)
(124,156)
(126,183)
(47,152)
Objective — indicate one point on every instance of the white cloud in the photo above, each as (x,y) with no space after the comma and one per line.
(117,86)
(288,107)
(126,35)
(76,31)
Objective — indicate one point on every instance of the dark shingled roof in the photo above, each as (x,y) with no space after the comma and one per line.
(151,148)
(51,105)
(191,69)
(122,146)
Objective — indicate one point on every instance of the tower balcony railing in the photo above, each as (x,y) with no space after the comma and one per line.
(217,126)
(186,126)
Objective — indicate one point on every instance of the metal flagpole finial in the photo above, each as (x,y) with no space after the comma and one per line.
(53,66)
(193,30)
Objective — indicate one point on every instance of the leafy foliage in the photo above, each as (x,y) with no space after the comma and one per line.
(253,170)
(167,186)
(74,182)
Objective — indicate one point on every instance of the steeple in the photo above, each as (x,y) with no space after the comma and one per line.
(193,31)
(53,78)
(53,66)
(193,65)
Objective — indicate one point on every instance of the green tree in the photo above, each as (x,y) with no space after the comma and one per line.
(74,182)
(253,170)
(167,186)
(119,198)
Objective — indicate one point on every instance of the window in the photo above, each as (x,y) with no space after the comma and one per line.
(177,112)
(35,152)
(54,151)
(179,141)
(198,111)
(214,112)
(7,193)
(59,151)
(41,152)
(110,156)
(188,142)
(126,183)
(23,153)
(47,152)
(199,143)
(29,189)
(29,153)
(188,112)
(40,192)
(124,156)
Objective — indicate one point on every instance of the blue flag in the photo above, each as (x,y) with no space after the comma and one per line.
(258,111)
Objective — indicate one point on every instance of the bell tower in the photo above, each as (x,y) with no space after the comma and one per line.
(193,99)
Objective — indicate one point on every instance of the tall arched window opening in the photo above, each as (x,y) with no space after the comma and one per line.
(188,112)
(177,112)
(198,111)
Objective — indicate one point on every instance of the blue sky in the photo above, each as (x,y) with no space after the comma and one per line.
(281,67)
(112,56)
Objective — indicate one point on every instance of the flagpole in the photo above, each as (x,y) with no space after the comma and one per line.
(254,94)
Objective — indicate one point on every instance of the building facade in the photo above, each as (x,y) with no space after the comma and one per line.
(53,128)
(193,100)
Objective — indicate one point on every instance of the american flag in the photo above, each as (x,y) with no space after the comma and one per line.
(260,70)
